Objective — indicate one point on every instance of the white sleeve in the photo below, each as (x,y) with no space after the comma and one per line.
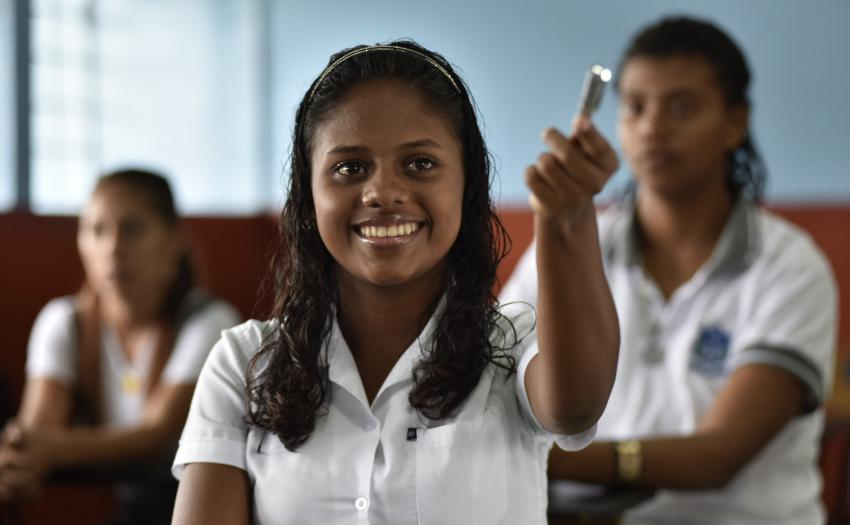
(792,322)
(52,348)
(528,349)
(521,288)
(197,336)
(216,429)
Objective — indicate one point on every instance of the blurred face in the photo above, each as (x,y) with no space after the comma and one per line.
(387,180)
(128,251)
(674,124)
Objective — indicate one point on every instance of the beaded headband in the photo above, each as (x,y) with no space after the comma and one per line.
(369,49)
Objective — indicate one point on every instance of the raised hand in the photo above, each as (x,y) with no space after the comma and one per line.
(564,180)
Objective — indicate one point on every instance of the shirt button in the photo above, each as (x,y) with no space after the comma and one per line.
(361,504)
(371,425)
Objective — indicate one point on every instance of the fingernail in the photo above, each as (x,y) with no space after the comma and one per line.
(582,124)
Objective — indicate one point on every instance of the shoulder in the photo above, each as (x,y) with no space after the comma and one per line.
(614,222)
(787,248)
(608,215)
(239,344)
(199,305)
(53,341)
(59,307)
(57,313)
(202,318)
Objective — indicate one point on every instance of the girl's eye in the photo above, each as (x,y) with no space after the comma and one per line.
(131,229)
(632,108)
(681,108)
(349,169)
(420,164)
(96,230)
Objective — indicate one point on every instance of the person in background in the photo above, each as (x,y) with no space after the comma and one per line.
(727,312)
(111,370)
(388,388)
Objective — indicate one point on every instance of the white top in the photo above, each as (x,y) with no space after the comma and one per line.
(52,353)
(766,295)
(380,464)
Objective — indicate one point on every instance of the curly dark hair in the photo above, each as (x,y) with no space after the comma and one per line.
(289,390)
(690,37)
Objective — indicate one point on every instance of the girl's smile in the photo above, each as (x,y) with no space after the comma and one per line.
(392,230)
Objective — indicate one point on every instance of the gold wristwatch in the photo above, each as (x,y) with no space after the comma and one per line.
(629,460)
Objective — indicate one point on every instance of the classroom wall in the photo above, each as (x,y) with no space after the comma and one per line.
(525,63)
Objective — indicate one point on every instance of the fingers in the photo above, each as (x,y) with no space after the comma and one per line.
(18,476)
(11,458)
(12,434)
(543,196)
(18,484)
(576,164)
(595,145)
(565,179)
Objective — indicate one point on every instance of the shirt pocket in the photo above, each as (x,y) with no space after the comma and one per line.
(461,471)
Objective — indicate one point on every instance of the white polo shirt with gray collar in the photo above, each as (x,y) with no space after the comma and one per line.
(766,295)
(381,463)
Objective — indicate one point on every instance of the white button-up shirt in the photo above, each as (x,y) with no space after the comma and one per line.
(381,463)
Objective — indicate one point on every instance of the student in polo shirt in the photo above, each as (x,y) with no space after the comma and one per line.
(111,369)
(727,312)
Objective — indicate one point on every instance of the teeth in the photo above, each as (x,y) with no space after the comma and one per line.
(396,230)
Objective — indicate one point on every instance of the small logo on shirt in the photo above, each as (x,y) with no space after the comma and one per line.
(411,434)
(710,351)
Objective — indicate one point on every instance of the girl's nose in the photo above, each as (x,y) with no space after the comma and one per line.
(385,188)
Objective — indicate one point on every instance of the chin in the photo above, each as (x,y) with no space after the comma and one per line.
(388,279)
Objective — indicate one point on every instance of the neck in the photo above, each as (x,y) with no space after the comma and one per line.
(679,233)
(126,315)
(380,322)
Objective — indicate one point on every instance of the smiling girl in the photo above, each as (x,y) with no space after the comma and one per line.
(389,388)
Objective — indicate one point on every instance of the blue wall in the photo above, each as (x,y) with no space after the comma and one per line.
(525,61)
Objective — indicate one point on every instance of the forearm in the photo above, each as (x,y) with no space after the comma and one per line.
(74,446)
(578,331)
(698,462)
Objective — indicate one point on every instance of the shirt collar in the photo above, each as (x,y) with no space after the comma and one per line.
(342,369)
(736,249)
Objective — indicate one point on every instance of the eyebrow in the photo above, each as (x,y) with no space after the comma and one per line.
(407,145)
(679,92)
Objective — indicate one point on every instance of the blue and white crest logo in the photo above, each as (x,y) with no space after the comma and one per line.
(710,351)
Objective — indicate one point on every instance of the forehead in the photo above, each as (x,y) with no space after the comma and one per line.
(116,201)
(651,76)
(381,113)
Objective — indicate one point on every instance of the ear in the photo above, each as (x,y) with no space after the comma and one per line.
(737,122)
